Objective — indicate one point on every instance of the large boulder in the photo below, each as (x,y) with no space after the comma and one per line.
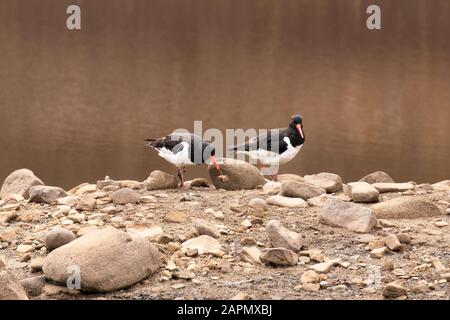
(393,187)
(347,215)
(108,259)
(442,185)
(363,192)
(46,194)
(329,181)
(405,208)
(377,177)
(20,182)
(279,236)
(10,287)
(235,175)
(159,180)
(302,190)
(289,177)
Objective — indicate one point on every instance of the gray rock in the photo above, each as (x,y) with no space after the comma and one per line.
(302,190)
(394,290)
(271,187)
(159,180)
(287,202)
(377,177)
(280,237)
(347,215)
(236,175)
(57,238)
(20,182)
(329,181)
(204,228)
(279,257)
(289,177)
(363,192)
(251,255)
(102,256)
(405,208)
(258,203)
(393,187)
(10,287)
(34,285)
(204,244)
(124,196)
(46,194)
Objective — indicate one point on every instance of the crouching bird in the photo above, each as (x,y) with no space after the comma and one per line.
(275,147)
(184,149)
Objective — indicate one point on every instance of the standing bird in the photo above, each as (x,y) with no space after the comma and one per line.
(184,149)
(275,147)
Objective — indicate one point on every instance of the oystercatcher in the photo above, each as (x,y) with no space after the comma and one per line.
(184,149)
(275,147)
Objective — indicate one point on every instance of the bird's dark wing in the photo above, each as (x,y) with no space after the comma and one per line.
(272,140)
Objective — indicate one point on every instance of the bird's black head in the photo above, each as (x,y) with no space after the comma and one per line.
(297,124)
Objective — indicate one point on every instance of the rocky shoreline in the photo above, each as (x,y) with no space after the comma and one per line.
(241,237)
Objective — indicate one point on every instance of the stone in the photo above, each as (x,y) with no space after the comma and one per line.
(251,255)
(319,201)
(279,236)
(176,217)
(86,204)
(377,177)
(311,286)
(363,192)
(310,276)
(70,201)
(437,264)
(289,177)
(393,187)
(25,248)
(241,296)
(84,188)
(145,230)
(388,265)
(198,183)
(404,238)
(8,235)
(10,287)
(33,286)
(441,224)
(365,238)
(204,228)
(102,256)
(392,242)
(378,253)
(271,187)
(257,203)
(405,208)
(124,196)
(394,290)
(246,224)
(36,264)
(204,244)
(442,185)
(324,267)
(347,215)
(58,237)
(131,184)
(287,202)
(420,287)
(19,182)
(279,257)
(248,241)
(329,181)
(302,190)
(376,244)
(235,175)
(159,180)
(46,194)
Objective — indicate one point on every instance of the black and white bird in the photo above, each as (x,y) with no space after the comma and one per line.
(184,149)
(276,146)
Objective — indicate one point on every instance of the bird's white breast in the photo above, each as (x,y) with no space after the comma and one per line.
(272,158)
(179,159)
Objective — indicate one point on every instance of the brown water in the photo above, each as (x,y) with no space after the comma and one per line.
(76,105)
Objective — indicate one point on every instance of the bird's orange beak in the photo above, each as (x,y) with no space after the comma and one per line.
(299,128)
(214,162)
